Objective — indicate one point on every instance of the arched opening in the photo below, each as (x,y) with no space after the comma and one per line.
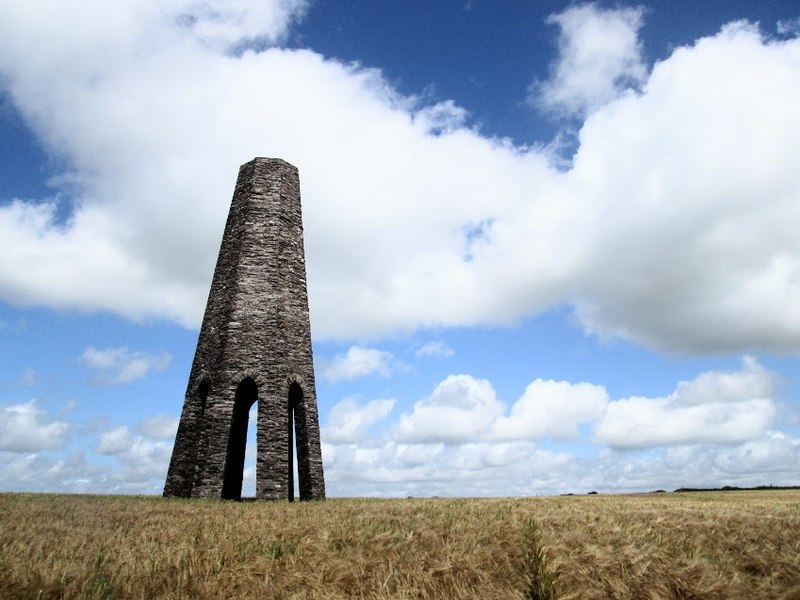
(246,396)
(202,395)
(295,400)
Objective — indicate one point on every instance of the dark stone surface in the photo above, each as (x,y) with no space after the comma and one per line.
(254,346)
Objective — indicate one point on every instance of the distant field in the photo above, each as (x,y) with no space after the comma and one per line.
(690,546)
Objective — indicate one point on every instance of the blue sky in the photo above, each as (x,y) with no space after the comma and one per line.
(552,247)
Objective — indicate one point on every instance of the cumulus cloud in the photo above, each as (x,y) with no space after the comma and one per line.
(718,407)
(358,362)
(115,441)
(718,428)
(714,407)
(120,365)
(752,382)
(138,462)
(32,472)
(600,57)
(552,409)
(519,468)
(694,204)
(141,459)
(671,228)
(27,428)
(459,409)
(473,469)
(774,454)
(715,429)
(647,423)
(348,420)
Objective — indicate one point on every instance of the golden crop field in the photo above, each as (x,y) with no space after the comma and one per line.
(689,546)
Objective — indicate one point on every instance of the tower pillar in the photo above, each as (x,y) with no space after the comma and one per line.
(254,348)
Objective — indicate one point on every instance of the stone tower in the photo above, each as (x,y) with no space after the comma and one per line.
(254,346)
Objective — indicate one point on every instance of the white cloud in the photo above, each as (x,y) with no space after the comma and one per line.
(672,228)
(647,423)
(752,382)
(27,428)
(348,420)
(552,409)
(697,249)
(120,365)
(519,468)
(600,57)
(38,473)
(160,427)
(716,429)
(713,430)
(138,466)
(696,465)
(358,362)
(470,469)
(436,348)
(115,441)
(236,22)
(444,117)
(716,407)
(771,455)
(128,23)
(461,408)
(141,460)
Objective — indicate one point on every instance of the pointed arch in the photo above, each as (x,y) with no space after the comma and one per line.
(201,396)
(246,395)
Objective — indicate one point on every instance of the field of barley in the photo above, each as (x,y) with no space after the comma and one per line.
(690,546)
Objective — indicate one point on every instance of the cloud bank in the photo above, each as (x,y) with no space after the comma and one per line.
(718,428)
(674,226)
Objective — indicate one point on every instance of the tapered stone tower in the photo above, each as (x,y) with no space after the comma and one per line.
(254,346)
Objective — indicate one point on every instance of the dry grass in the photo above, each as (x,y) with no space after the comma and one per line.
(704,545)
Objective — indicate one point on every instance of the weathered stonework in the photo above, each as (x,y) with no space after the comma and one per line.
(254,345)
